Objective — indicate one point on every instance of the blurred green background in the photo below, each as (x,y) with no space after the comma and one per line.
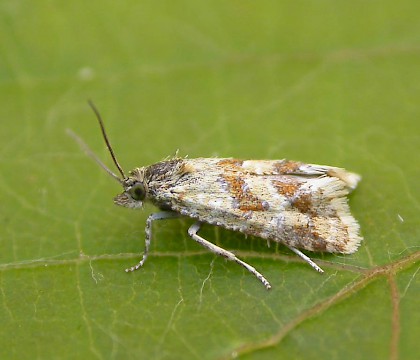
(327,82)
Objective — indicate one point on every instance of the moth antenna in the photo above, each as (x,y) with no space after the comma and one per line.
(90,153)
(108,144)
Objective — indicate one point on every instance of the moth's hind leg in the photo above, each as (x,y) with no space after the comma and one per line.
(156,216)
(192,231)
(306,258)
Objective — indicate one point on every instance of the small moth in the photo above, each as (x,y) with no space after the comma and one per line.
(303,206)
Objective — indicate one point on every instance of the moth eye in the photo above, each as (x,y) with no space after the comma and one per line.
(137,192)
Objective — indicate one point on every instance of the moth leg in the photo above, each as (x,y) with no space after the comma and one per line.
(306,258)
(156,216)
(192,231)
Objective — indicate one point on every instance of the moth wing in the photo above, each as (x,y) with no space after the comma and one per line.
(288,167)
(301,205)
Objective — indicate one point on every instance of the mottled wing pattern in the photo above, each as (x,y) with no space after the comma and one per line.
(301,205)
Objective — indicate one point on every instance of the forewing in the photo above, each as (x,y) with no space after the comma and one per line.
(301,205)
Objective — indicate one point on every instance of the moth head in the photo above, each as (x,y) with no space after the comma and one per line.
(135,190)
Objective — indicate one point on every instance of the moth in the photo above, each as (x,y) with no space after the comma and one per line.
(302,206)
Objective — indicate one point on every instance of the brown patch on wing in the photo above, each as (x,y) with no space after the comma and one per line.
(246,201)
(343,235)
(286,188)
(232,164)
(286,167)
(304,204)
(317,237)
(309,236)
(297,198)
(340,246)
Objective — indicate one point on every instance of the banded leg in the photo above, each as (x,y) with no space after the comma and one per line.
(192,231)
(306,258)
(156,216)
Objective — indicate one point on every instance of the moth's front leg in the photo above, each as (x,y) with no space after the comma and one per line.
(148,231)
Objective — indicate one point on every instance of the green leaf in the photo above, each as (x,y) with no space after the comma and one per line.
(323,82)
